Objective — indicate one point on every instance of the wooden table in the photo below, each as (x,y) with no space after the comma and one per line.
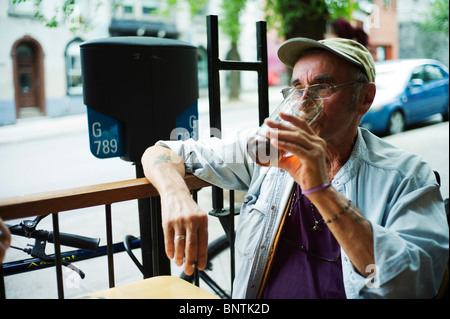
(160,287)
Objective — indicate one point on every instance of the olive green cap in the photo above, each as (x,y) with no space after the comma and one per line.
(351,51)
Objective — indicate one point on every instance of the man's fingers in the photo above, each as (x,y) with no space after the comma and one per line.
(202,253)
(197,245)
(179,243)
(169,244)
(186,235)
(190,252)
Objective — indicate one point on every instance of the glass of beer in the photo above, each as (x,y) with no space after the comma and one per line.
(307,106)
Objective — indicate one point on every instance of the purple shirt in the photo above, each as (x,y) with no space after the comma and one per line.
(307,264)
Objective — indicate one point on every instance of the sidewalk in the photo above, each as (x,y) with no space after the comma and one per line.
(45,127)
(42,127)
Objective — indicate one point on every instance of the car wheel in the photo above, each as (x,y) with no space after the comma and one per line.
(396,123)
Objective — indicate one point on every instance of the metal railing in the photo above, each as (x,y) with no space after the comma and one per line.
(215,65)
(60,201)
(153,258)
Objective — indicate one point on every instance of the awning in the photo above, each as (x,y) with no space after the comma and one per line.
(142,28)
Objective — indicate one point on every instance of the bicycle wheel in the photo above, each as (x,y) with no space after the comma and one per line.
(216,277)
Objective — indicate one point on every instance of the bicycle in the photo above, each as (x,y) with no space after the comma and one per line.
(27,228)
(89,248)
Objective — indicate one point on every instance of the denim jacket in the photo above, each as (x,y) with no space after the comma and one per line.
(395,190)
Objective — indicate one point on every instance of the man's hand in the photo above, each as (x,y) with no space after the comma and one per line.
(185,228)
(184,224)
(308,164)
(5,240)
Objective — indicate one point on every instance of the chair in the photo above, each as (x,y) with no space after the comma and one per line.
(443,292)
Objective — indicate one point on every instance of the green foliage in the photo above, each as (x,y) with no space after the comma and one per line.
(194,5)
(74,20)
(437,18)
(341,9)
(229,22)
(285,15)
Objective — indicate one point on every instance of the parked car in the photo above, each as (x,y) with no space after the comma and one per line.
(408,91)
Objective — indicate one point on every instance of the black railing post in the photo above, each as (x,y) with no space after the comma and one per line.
(215,65)
(154,259)
(58,263)
(110,244)
(2,284)
(215,120)
(232,237)
(263,76)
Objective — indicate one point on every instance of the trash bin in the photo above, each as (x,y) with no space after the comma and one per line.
(138,90)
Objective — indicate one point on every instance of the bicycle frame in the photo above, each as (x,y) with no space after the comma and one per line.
(31,264)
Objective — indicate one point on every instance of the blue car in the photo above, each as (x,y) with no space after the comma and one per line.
(408,91)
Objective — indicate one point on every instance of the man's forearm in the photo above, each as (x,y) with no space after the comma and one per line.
(184,224)
(164,169)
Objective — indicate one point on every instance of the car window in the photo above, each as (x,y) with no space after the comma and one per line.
(432,73)
(418,73)
(390,79)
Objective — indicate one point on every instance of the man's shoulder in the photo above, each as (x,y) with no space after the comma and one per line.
(380,153)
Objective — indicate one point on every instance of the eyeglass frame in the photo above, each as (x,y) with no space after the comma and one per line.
(310,253)
(286,91)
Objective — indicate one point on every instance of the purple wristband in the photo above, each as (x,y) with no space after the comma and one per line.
(316,189)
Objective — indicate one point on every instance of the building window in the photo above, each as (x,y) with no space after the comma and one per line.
(135,10)
(24,9)
(384,52)
(125,9)
(149,6)
(73,68)
(128,8)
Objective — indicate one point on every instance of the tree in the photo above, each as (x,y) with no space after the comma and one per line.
(306,18)
(293,18)
(65,13)
(437,18)
(194,5)
(230,25)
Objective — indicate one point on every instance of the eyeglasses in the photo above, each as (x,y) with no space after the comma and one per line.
(311,253)
(317,91)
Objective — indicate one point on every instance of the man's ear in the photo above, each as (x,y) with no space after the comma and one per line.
(367,97)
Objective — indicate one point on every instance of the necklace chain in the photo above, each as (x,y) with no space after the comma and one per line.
(315,229)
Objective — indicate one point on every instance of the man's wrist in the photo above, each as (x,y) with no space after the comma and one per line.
(316,189)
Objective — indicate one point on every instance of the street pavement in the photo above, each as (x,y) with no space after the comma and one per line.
(46,154)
